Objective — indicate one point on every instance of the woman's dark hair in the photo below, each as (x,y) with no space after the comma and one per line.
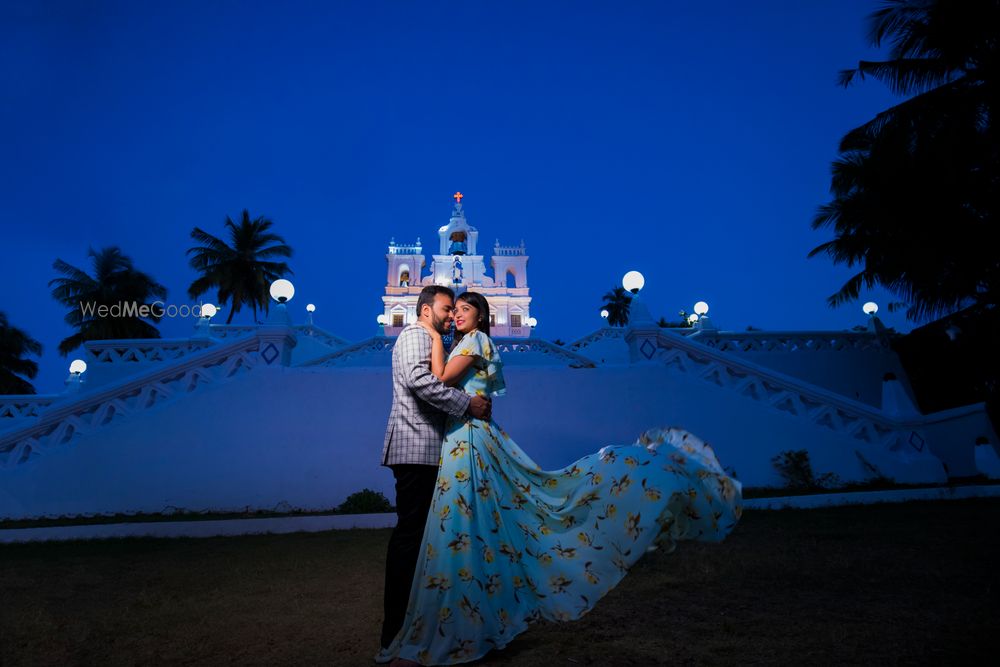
(479,302)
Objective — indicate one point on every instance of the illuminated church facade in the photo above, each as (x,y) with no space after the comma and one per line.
(460,265)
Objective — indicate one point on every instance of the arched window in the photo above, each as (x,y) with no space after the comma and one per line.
(404,279)
(511,279)
(458,246)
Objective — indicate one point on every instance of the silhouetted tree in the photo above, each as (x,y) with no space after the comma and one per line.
(115,281)
(240,271)
(15,345)
(617,303)
(914,190)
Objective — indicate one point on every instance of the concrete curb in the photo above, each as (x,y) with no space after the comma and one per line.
(869,497)
(293,524)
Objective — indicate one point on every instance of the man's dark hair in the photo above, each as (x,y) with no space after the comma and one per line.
(428,293)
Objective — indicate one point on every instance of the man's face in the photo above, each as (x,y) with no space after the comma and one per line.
(442,312)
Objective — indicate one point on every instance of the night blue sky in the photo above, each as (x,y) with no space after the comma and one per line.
(690,141)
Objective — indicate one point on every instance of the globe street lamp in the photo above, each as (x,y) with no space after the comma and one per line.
(633,281)
(282,290)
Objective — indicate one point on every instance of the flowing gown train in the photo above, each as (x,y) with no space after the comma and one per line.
(507,544)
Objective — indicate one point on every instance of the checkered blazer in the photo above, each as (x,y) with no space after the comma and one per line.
(421,403)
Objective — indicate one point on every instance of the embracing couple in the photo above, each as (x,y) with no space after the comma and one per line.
(486,542)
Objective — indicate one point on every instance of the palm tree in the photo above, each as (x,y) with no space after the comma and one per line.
(240,271)
(15,344)
(914,201)
(115,281)
(617,303)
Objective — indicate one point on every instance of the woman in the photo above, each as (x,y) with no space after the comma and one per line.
(507,544)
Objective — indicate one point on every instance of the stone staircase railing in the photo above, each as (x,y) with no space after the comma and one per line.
(22,406)
(790,341)
(322,335)
(793,396)
(226,331)
(508,346)
(353,354)
(138,351)
(64,417)
(600,334)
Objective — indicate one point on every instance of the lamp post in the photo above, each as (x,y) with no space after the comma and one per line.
(381,319)
(76,370)
(202,327)
(638,314)
(642,333)
(874,323)
(310,309)
(281,291)
(702,320)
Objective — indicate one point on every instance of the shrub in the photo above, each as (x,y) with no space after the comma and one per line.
(365,501)
(795,468)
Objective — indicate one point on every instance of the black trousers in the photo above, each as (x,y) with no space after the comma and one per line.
(414,490)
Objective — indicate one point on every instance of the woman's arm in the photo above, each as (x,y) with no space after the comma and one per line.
(454,370)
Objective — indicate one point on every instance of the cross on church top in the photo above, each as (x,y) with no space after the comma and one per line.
(458,197)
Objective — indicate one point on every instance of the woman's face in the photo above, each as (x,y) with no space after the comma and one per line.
(466,316)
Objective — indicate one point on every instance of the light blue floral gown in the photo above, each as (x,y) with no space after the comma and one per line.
(507,544)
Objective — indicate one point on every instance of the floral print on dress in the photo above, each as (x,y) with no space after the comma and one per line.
(507,544)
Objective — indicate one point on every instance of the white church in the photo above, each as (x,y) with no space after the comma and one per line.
(287,415)
(459,265)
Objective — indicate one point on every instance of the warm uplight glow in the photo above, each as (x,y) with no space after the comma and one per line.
(208,310)
(701,308)
(870,308)
(633,281)
(311,307)
(282,290)
(78,366)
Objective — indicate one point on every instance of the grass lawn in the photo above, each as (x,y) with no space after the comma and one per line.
(912,583)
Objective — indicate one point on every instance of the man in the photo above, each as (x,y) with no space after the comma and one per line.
(412,449)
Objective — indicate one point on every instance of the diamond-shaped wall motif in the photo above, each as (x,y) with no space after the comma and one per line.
(269,353)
